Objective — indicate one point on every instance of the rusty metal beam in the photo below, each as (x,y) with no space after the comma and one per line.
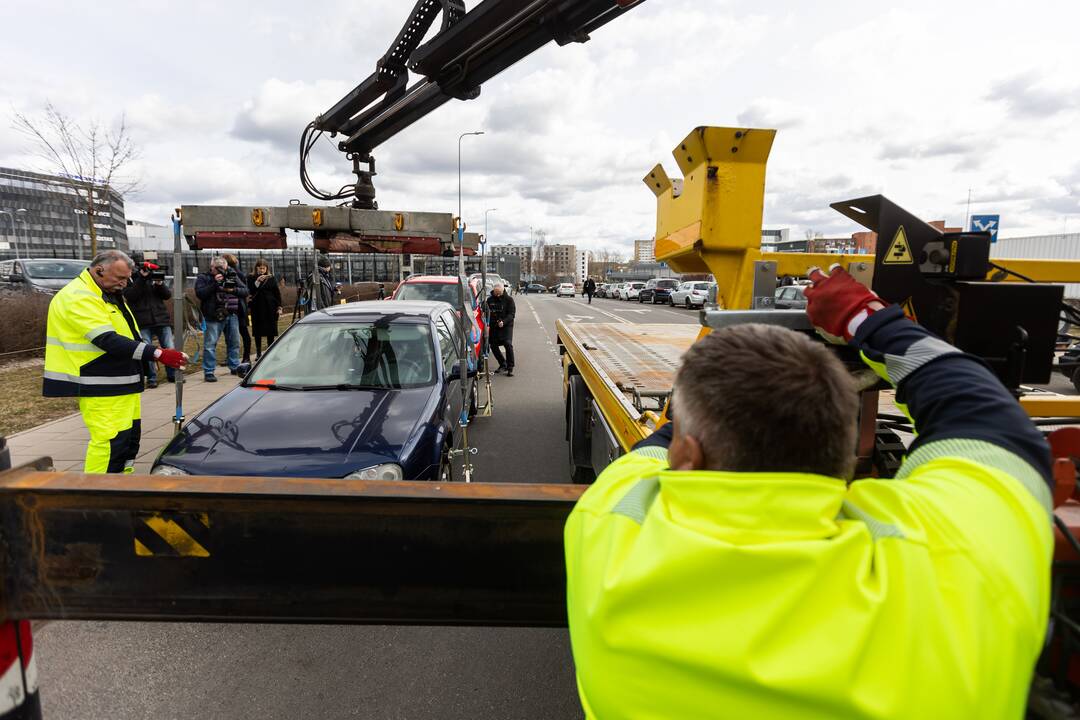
(281,550)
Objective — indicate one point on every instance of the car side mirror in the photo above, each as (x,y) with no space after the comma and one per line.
(15,278)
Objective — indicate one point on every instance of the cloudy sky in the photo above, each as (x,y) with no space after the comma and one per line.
(921,102)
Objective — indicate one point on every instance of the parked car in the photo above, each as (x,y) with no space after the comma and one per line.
(535,288)
(361,391)
(691,294)
(41,275)
(565,290)
(602,290)
(631,290)
(448,289)
(658,290)
(616,291)
(789,297)
(1069,365)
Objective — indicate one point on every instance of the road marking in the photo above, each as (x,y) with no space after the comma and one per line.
(605,312)
(579,318)
(639,312)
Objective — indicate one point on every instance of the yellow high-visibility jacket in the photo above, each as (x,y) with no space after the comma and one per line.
(796,596)
(91,348)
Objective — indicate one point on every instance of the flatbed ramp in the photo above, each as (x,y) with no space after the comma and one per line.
(638,359)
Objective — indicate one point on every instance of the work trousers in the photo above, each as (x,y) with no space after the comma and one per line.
(115,427)
(258,342)
(165,340)
(231,327)
(589,295)
(503,337)
(245,335)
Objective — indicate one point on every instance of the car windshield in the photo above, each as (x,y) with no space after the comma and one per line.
(383,353)
(667,284)
(637,285)
(54,269)
(439,291)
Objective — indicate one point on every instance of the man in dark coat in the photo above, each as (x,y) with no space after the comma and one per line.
(146,296)
(589,288)
(502,309)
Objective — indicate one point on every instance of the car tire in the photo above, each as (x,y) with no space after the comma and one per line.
(1076,378)
(446,467)
(689,305)
(640,299)
(577,432)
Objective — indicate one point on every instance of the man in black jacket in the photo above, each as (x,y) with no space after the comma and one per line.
(146,296)
(502,309)
(589,288)
(219,292)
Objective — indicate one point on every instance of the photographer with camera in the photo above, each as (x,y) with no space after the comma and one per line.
(219,292)
(146,296)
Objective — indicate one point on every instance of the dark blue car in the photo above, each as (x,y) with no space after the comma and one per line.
(367,390)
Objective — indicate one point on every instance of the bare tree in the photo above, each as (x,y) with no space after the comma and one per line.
(89,159)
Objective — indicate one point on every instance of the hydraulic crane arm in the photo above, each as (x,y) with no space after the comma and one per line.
(470,48)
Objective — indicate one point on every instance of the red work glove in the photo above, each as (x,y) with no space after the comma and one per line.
(171,358)
(838,303)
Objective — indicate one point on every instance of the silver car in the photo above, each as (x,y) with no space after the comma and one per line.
(691,294)
(789,297)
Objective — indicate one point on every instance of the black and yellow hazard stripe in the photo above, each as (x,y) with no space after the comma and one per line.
(172,534)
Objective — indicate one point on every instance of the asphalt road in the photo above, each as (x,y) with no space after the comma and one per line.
(124,671)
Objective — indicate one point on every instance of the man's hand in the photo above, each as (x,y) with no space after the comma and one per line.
(838,303)
(171,358)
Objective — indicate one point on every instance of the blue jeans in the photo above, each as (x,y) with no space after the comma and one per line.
(165,340)
(231,326)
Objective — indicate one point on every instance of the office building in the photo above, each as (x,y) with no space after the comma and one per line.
(582,274)
(50,219)
(561,260)
(524,254)
(644,250)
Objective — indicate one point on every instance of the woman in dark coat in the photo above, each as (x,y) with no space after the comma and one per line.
(264,299)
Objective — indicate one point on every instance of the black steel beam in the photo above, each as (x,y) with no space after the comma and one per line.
(281,550)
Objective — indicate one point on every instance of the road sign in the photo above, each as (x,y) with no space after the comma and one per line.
(986,223)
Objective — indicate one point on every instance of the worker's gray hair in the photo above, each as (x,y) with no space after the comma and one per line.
(108,257)
(761,398)
(218,261)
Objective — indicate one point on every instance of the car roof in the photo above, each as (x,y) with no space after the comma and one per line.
(432,279)
(407,308)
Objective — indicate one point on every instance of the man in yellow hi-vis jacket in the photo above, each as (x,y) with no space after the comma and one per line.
(725,568)
(91,352)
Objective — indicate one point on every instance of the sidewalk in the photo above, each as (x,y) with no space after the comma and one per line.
(65,440)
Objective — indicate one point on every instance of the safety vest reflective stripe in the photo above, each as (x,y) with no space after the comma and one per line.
(139,350)
(74,347)
(65,377)
(101,330)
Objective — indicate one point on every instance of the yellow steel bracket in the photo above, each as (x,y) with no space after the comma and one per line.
(710,220)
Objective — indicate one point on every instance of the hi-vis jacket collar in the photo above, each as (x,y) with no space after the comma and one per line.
(88,281)
(752,508)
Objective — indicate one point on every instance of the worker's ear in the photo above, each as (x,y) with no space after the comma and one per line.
(685,453)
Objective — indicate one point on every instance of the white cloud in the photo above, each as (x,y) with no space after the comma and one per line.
(920,103)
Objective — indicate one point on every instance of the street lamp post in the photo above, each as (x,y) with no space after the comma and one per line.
(489,210)
(461,229)
(20,214)
(14,230)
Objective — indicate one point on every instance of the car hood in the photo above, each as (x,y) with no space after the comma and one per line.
(49,283)
(301,434)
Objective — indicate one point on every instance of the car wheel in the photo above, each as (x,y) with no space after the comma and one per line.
(689,305)
(640,299)
(1076,379)
(446,467)
(581,472)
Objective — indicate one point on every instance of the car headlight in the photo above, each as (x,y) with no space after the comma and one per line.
(168,470)
(389,471)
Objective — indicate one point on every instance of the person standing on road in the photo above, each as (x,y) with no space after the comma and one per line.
(147,295)
(264,298)
(589,288)
(323,289)
(242,317)
(91,353)
(502,309)
(728,566)
(219,292)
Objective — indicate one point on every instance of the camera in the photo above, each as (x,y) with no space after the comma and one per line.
(229,283)
(157,275)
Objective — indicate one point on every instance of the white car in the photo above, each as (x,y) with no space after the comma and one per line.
(630,290)
(690,294)
(565,290)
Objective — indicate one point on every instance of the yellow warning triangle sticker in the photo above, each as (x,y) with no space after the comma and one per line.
(909,309)
(899,251)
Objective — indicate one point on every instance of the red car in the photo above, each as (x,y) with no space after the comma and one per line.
(448,289)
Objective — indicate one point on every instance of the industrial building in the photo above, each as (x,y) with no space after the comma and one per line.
(1062,246)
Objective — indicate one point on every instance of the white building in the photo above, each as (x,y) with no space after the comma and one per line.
(143,236)
(582,270)
(644,250)
(1041,247)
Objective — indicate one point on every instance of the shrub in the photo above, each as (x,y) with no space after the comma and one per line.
(25,317)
